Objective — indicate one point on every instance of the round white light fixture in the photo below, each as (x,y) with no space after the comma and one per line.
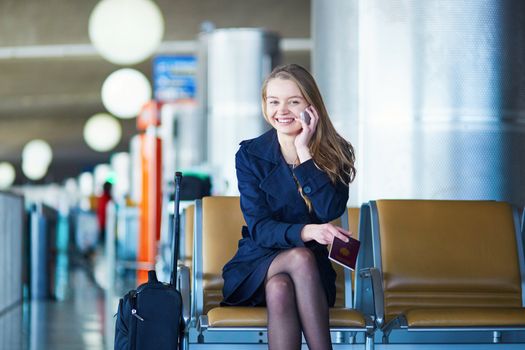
(86,184)
(36,157)
(120,163)
(34,171)
(102,132)
(7,175)
(71,187)
(125,91)
(101,174)
(126,32)
(38,153)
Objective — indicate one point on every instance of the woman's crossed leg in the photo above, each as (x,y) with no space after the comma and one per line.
(296,300)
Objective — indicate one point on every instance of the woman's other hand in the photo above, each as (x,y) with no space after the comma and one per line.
(324,233)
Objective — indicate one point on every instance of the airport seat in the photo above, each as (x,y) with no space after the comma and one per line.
(352,225)
(438,265)
(340,282)
(218,222)
(186,242)
(345,281)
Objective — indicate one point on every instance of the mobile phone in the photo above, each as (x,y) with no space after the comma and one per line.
(305,116)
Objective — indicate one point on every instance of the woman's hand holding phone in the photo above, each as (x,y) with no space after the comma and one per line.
(305,116)
(308,119)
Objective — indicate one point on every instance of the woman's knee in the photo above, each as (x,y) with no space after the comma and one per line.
(280,291)
(302,258)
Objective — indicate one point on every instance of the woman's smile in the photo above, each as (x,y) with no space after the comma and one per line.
(285,120)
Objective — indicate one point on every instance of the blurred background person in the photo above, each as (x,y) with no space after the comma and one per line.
(102,202)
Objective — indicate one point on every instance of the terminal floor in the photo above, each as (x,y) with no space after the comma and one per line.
(82,317)
(76,320)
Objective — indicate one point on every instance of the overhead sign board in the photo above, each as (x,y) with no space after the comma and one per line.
(174,78)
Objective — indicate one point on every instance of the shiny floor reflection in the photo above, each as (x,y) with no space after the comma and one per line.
(11,334)
(74,323)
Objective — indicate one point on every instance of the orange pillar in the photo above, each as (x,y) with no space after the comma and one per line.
(150,206)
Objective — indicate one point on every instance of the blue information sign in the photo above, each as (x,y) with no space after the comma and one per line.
(174,77)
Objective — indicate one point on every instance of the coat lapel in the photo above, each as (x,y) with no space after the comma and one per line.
(266,147)
(278,182)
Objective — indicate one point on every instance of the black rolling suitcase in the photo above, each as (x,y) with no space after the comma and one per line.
(150,317)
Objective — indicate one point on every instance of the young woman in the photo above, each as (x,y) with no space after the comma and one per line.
(293,180)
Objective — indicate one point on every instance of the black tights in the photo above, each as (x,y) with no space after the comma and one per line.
(296,301)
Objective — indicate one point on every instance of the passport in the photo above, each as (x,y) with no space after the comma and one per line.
(344,253)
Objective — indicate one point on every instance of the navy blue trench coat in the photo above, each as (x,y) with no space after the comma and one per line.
(275,214)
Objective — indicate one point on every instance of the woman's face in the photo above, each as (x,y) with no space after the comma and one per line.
(284,103)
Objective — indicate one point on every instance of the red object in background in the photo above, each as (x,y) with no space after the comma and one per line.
(150,206)
(102,203)
(149,116)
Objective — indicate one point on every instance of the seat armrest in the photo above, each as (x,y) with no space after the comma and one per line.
(183,285)
(377,292)
(202,325)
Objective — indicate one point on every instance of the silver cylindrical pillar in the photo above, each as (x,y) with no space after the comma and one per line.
(439,95)
(335,67)
(238,60)
(183,133)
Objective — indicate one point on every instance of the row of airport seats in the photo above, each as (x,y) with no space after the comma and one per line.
(442,266)
(425,267)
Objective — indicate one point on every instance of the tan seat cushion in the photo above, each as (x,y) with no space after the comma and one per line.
(348,318)
(244,316)
(237,316)
(465,316)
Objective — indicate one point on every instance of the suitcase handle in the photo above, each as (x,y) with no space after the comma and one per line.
(176,228)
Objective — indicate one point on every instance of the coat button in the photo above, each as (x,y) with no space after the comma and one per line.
(307,189)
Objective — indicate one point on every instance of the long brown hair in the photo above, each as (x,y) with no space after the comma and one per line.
(330,151)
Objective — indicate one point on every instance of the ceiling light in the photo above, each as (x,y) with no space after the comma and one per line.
(101,174)
(37,152)
(126,32)
(120,163)
(86,184)
(102,132)
(34,171)
(125,91)
(7,175)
